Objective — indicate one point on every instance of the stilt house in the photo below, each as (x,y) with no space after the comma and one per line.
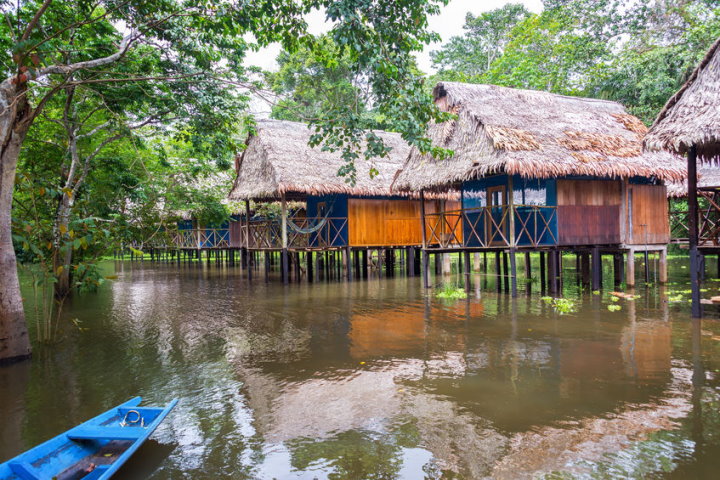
(539,170)
(689,124)
(279,165)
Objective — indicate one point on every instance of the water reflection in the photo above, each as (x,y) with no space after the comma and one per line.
(375,379)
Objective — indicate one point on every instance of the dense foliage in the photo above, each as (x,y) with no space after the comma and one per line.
(93,93)
(637,53)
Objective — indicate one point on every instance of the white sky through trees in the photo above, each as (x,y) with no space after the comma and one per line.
(448,24)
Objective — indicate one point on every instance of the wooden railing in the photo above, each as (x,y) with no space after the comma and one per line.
(201,238)
(490,227)
(307,232)
(708,226)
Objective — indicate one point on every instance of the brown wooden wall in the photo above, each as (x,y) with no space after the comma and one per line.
(383,222)
(588,212)
(648,214)
(595,212)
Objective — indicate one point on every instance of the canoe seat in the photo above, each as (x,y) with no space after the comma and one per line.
(106,433)
(23,470)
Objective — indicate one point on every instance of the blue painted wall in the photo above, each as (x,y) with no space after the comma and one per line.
(337,208)
(540,192)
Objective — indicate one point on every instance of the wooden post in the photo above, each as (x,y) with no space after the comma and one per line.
(696,309)
(506,272)
(422,220)
(584,268)
(543,265)
(283,230)
(528,267)
(466,264)
(426,268)
(411,262)
(347,261)
(498,272)
(596,269)
(663,274)
(365,263)
(446,264)
(617,266)
(309,262)
(552,270)
(511,206)
(630,268)
(513,273)
(476,261)
(267,267)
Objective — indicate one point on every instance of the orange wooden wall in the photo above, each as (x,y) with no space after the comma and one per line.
(383,222)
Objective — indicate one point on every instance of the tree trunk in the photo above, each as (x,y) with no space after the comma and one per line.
(14,340)
(63,257)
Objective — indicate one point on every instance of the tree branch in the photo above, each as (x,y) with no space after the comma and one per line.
(35,20)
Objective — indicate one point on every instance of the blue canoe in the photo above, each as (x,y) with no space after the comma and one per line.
(91,451)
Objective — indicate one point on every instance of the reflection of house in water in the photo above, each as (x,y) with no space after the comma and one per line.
(647,349)
(404,331)
(461,393)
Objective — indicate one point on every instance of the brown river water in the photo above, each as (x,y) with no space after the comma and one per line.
(380,379)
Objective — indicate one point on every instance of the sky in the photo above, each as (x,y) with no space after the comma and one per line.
(448,24)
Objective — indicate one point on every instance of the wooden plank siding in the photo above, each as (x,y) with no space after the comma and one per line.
(648,215)
(383,222)
(588,212)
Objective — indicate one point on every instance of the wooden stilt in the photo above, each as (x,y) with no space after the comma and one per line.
(596,269)
(285,266)
(584,268)
(267,267)
(552,270)
(513,273)
(506,271)
(528,267)
(466,264)
(498,272)
(630,268)
(663,273)
(365,263)
(425,268)
(543,265)
(309,263)
(696,308)
(411,262)
(348,264)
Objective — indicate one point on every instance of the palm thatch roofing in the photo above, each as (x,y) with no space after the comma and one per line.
(708,176)
(692,115)
(278,160)
(534,134)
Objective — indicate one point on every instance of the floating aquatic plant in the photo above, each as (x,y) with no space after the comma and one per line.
(560,305)
(451,292)
(614,308)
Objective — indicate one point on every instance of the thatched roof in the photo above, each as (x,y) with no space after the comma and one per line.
(692,115)
(708,176)
(534,134)
(279,160)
